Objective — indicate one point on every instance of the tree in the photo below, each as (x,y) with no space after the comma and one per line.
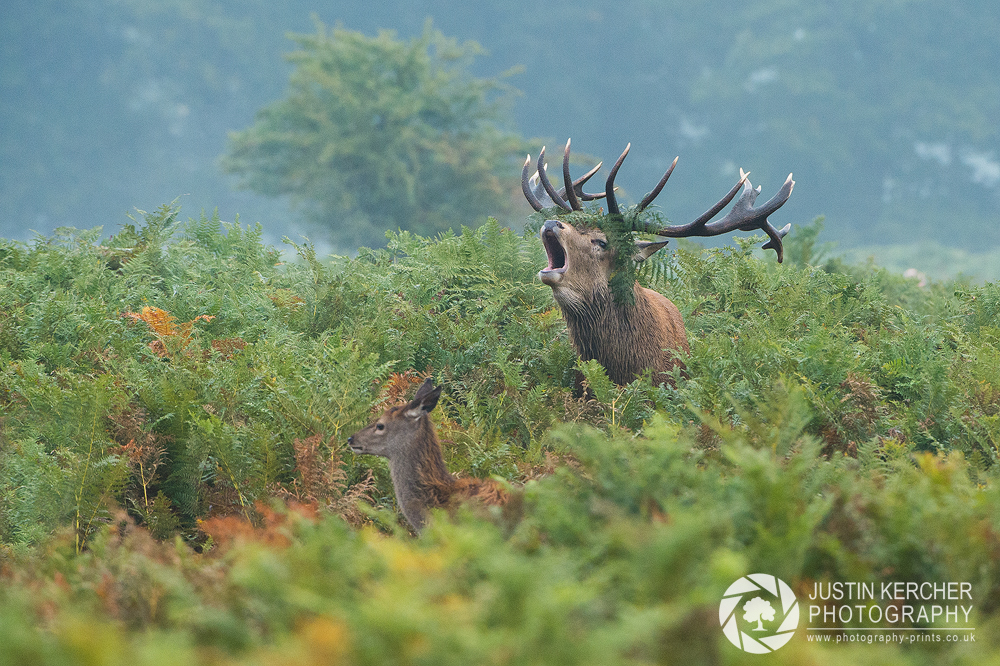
(378,134)
(758,609)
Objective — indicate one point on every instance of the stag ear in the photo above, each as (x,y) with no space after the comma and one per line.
(425,400)
(645,249)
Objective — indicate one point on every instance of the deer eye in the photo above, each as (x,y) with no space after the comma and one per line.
(380,426)
(600,243)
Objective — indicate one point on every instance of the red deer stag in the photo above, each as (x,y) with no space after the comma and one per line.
(627,338)
(405,435)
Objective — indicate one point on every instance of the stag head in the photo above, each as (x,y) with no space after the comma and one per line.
(582,261)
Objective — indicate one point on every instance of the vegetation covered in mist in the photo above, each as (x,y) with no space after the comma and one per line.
(174,405)
(379,134)
(887,111)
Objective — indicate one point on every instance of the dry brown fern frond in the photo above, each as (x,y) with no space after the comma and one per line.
(322,480)
(397,387)
(166,329)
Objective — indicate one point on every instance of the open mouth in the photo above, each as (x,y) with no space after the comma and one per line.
(554,251)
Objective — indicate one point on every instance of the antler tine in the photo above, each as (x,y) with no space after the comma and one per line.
(769,206)
(574,201)
(609,187)
(648,199)
(579,183)
(543,177)
(724,201)
(764,210)
(540,193)
(696,228)
(526,186)
(775,242)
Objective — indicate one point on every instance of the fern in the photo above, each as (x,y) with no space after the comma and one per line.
(836,423)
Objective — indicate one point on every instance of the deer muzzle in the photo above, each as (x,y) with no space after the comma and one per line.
(355,446)
(554,250)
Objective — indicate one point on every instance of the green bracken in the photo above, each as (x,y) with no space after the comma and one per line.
(175,484)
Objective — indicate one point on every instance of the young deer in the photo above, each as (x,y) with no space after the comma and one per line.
(405,435)
(627,338)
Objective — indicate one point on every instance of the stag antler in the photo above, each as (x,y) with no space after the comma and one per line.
(743,216)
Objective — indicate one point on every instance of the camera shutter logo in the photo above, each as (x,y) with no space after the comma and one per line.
(751,603)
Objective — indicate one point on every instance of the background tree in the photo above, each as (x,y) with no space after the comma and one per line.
(378,134)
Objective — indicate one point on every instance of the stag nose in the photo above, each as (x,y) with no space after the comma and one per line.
(552,224)
(350,440)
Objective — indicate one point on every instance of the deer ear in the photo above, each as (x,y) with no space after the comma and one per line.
(425,389)
(645,249)
(424,401)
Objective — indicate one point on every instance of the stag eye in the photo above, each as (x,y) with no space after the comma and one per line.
(380,426)
(600,243)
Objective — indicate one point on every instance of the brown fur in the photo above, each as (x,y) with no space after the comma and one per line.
(419,476)
(626,339)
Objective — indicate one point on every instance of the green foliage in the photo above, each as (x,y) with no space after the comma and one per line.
(836,423)
(618,230)
(380,134)
(800,246)
(619,559)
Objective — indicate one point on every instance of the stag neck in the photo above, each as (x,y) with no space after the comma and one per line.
(597,327)
(600,302)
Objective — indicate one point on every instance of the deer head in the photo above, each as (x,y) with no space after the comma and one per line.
(405,435)
(581,261)
(400,428)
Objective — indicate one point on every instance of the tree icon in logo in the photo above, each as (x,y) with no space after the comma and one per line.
(758,609)
(760,596)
